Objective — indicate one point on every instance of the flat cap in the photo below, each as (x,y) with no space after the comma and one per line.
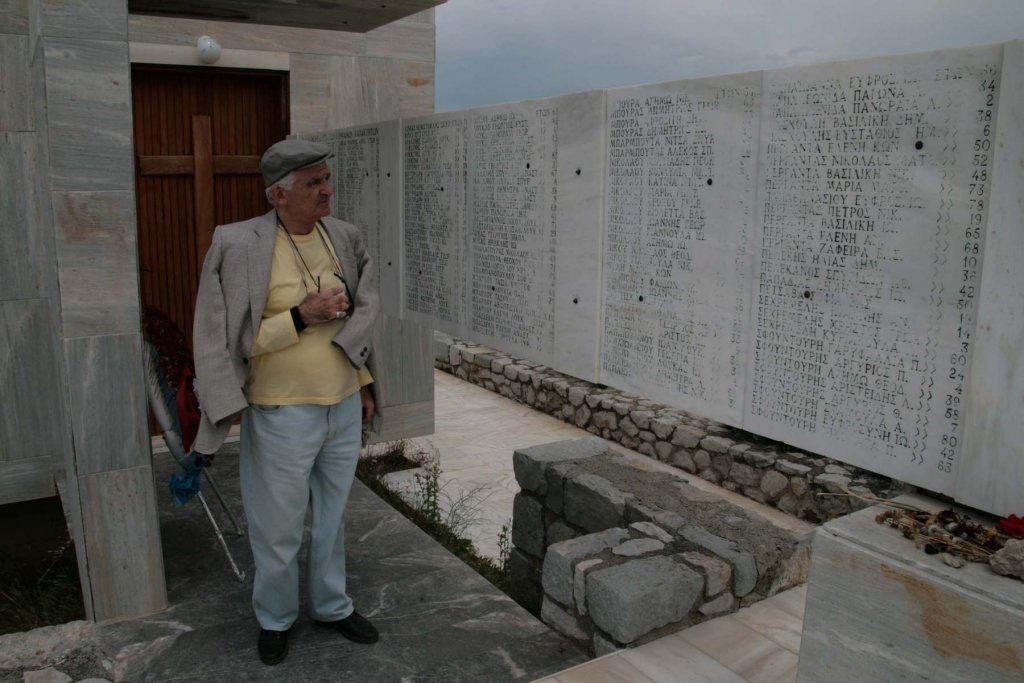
(291,155)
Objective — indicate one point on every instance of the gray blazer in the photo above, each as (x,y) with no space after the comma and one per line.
(229,308)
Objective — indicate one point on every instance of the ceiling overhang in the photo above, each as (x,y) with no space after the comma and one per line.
(358,16)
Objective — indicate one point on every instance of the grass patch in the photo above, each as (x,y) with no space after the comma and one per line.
(445,528)
(53,597)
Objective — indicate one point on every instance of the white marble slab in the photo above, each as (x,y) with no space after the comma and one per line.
(880,609)
(532,249)
(991,471)
(874,180)
(578,258)
(435,252)
(678,228)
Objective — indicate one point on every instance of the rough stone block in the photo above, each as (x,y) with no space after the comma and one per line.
(557,572)
(759,458)
(555,480)
(634,598)
(702,459)
(642,419)
(833,483)
(646,449)
(604,646)
(525,580)
(663,450)
(528,525)
(717,574)
(652,530)
(577,395)
(593,503)
(579,585)
(791,468)
(743,564)
(559,531)
(582,416)
(721,463)
(684,461)
(773,483)
(716,444)
(604,419)
(638,512)
(647,436)
(627,426)
(560,620)
(686,436)
(745,475)
(710,475)
(799,486)
(638,546)
(723,603)
(530,464)
(662,428)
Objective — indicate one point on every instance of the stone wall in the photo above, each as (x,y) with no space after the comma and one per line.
(614,554)
(766,471)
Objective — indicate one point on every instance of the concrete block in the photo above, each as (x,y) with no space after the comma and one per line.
(593,503)
(561,558)
(631,599)
(530,464)
(528,525)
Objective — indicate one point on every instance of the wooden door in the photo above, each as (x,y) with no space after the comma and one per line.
(199,134)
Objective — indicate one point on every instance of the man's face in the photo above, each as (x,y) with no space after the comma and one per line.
(310,197)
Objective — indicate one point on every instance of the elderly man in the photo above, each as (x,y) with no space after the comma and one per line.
(283,326)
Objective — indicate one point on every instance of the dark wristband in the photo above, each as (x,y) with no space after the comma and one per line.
(297,319)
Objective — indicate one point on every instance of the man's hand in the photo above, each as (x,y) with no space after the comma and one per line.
(366,397)
(323,307)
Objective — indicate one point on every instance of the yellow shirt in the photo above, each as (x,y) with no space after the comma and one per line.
(289,367)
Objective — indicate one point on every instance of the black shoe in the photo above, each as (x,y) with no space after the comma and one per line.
(355,627)
(272,646)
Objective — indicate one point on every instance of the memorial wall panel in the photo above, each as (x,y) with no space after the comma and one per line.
(435,252)
(991,470)
(681,189)
(873,193)
(794,252)
(523,166)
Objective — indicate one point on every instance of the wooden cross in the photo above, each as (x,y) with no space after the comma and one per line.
(201,165)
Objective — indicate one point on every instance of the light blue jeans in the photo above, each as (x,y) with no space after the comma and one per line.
(290,455)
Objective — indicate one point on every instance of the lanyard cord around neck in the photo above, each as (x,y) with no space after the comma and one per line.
(323,242)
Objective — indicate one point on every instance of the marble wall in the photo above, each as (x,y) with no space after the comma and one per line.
(70,343)
(798,253)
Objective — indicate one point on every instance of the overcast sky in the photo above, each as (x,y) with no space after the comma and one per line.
(491,51)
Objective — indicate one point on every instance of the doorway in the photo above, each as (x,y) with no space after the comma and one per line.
(199,133)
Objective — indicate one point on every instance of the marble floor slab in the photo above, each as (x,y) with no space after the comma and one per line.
(439,620)
(758,644)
